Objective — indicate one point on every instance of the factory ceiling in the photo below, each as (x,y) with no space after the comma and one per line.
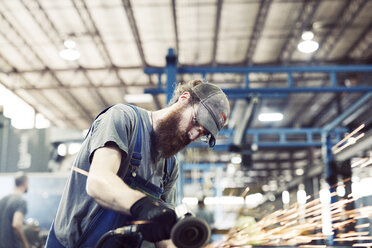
(117,40)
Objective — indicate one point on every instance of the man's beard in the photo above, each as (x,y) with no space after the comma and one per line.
(168,138)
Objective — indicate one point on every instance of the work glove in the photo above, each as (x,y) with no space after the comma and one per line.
(161,219)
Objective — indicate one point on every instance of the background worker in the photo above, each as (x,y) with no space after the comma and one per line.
(13,208)
(122,183)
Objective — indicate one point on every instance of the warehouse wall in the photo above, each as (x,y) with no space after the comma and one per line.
(27,150)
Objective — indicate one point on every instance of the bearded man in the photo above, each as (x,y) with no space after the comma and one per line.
(126,170)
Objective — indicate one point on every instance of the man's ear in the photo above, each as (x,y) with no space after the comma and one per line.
(185,97)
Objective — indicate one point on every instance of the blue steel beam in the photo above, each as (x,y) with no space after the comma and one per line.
(306,135)
(362,100)
(306,131)
(265,69)
(246,90)
(276,92)
(264,144)
(202,166)
(224,147)
(171,71)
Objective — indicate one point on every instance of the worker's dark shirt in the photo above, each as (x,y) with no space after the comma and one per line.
(8,206)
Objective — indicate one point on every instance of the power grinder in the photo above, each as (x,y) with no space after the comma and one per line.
(189,231)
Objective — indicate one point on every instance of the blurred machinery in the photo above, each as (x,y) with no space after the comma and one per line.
(34,235)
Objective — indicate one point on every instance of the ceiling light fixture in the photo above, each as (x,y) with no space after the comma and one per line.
(307,45)
(268,117)
(70,53)
(62,150)
(236,159)
(285,197)
(299,172)
(301,196)
(307,35)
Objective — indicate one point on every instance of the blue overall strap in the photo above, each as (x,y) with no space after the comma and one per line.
(136,155)
(168,168)
(170,164)
(131,178)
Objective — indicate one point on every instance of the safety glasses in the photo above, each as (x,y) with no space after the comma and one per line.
(204,134)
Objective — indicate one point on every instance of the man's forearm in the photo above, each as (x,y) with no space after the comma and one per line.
(111,192)
(21,235)
(105,187)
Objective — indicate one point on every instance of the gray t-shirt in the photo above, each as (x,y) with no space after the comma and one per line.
(8,206)
(118,124)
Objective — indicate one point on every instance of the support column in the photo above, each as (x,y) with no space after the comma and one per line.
(171,71)
(330,171)
(346,172)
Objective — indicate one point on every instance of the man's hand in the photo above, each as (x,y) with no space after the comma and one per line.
(161,218)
